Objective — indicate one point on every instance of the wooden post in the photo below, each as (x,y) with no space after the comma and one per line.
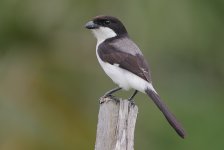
(116,124)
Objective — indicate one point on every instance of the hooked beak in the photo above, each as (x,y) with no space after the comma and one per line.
(91,25)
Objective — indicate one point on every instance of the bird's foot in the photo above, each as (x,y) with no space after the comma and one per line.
(104,100)
(132,101)
(107,95)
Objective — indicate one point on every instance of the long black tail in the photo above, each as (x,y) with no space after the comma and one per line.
(169,116)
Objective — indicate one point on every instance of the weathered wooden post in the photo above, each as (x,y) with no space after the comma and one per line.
(116,124)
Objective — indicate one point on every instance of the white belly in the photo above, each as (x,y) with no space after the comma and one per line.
(124,78)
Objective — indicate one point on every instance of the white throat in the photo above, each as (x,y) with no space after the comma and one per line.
(103,33)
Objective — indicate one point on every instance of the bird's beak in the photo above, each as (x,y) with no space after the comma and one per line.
(91,25)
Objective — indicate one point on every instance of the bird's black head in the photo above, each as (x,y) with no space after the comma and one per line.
(107,22)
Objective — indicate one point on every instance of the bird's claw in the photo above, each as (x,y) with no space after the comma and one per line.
(131,101)
(105,98)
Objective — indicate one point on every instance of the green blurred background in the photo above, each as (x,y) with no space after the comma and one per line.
(50,80)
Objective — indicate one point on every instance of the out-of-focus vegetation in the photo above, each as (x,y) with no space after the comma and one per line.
(50,80)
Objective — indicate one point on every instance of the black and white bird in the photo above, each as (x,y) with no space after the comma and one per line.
(124,63)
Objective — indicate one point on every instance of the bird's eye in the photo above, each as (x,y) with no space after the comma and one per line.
(106,22)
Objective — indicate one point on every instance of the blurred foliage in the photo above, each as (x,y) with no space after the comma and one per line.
(51,81)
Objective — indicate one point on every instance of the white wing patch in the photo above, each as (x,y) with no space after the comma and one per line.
(117,65)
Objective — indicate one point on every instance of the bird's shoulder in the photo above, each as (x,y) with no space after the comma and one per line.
(122,44)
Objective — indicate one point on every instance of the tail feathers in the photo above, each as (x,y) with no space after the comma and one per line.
(169,116)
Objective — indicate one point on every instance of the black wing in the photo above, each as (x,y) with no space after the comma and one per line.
(128,57)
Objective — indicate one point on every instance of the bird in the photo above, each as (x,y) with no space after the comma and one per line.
(123,61)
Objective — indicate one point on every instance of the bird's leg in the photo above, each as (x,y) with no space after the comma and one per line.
(112,91)
(131,98)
